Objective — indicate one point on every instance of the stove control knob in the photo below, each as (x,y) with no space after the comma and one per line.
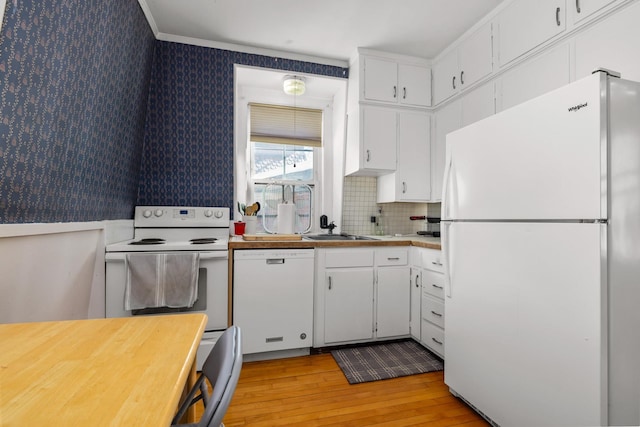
(208,213)
(158,212)
(218,214)
(146,213)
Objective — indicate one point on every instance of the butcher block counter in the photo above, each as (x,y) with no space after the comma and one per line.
(237,242)
(101,372)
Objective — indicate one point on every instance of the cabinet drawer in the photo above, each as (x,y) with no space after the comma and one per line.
(392,257)
(433,310)
(433,283)
(432,260)
(349,258)
(433,337)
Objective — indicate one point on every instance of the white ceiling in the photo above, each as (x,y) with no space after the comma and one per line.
(329,29)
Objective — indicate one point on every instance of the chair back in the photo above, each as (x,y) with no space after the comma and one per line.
(222,369)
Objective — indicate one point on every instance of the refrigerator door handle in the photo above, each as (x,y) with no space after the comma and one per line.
(447,182)
(446,248)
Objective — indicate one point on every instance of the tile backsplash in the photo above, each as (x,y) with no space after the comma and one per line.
(360,205)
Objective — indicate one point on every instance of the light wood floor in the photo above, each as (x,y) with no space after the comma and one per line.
(312,391)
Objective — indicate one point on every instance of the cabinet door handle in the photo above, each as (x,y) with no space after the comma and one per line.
(404,187)
(275,261)
(395,92)
(436,313)
(578,6)
(404,93)
(417,275)
(436,286)
(436,341)
(453,82)
(368,155)
(461,77)
(558,16)
(330,283)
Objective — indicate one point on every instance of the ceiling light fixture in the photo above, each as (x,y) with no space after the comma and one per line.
(293,85)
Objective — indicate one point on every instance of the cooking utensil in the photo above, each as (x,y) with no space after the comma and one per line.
(252,210)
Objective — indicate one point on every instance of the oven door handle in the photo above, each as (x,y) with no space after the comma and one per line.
(120,256)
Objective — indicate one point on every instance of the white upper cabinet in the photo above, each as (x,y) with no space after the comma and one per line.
(414,83)
(534,77)
(389,80)
(478,104)
(585,8)
(380,79)
(446,81)
(380,87)
(612,44)
(372,141)
(525,24)
(462,67)
(476,56)
(411,181)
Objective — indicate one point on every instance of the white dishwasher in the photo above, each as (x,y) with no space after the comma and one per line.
(273,298)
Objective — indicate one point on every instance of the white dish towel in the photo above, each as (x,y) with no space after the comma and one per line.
(161,280)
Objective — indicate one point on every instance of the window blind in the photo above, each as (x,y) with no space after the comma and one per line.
(278,124)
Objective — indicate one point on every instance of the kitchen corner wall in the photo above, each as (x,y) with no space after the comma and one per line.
(188,151)
(359,205)
(74,80)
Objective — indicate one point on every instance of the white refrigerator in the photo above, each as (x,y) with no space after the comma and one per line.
(541,241)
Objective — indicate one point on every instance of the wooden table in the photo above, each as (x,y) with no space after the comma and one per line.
(112,372)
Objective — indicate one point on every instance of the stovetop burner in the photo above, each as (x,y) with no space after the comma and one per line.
(148,241)
(203,241)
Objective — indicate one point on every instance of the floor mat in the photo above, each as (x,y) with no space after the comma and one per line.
(387,360)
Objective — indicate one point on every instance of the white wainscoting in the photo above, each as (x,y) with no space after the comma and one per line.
(55,271)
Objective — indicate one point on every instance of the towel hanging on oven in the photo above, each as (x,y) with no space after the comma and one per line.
(161,280)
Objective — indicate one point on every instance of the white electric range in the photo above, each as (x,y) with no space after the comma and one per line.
(176,229)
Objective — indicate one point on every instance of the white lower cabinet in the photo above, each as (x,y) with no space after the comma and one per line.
(433,337)
(428,269)
(416,298)
(361,294)
(348,304)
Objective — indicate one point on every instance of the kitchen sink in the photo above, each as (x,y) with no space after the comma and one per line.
(337,237)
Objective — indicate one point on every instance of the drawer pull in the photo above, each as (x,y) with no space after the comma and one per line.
(436,341)
(393,258)
(436,286)
(436,313)
(436,263)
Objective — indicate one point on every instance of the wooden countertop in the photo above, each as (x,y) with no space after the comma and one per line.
(413,240)
(102,372)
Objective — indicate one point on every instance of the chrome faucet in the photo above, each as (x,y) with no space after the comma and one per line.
(324,225)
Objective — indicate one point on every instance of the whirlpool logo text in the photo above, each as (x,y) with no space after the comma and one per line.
(577,107)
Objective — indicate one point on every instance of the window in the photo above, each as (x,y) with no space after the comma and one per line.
(284,145)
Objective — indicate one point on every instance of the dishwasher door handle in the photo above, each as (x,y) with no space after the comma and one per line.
(275,260)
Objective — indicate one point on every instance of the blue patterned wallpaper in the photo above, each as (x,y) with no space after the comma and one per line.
(74,79)
(188,152)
